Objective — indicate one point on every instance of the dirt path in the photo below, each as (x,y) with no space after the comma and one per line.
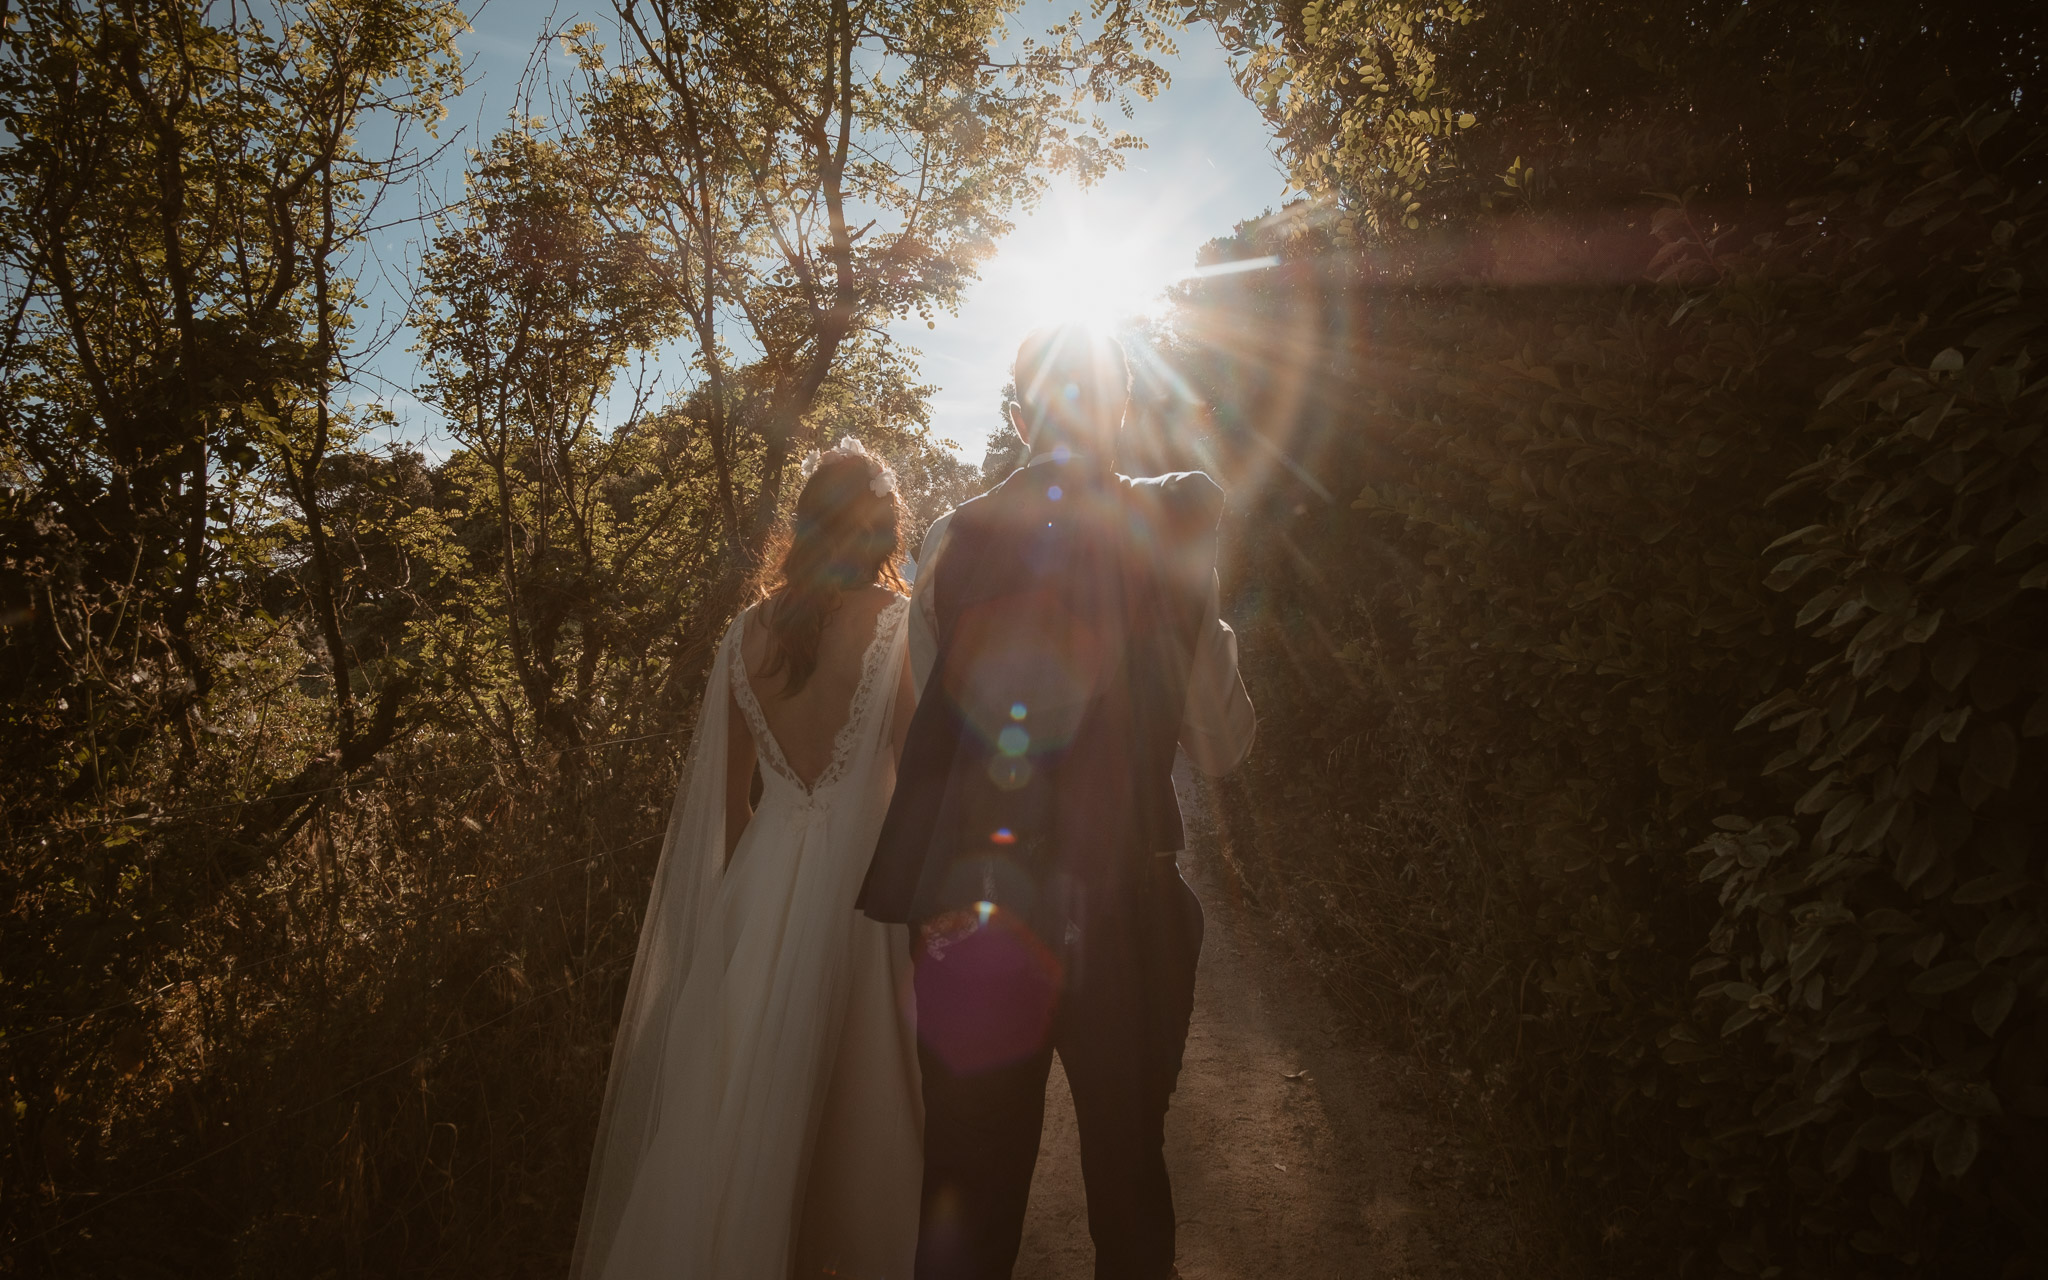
(1294,1153)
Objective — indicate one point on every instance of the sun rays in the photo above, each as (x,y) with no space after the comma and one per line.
(1087,262)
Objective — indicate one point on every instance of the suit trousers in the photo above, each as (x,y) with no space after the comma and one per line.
(1114,999)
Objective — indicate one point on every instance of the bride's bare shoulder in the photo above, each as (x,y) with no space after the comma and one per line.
(874,598)
(754,636)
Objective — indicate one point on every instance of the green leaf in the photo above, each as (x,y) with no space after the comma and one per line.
(1738,1020)
(1994,753)
(1944,978)
(2022,536)
(1783,760)
(1947,360)
(1679,1052)
(1797,535)
(1887,593)
(1808,950)
(1921,628)
(1841,815)
(1882,1131)
(1990,1006)
(1906,1164)
(1916,857)
(1948,560)
(1817,606)
(1928,947)
(1850,1024)
(1791,569)
(1952,661)
(1955,1146)
(1853,737)
(1870,827)
(1820,796)
(1890,1080)
(2007,934)
(1770,706)
(1924,423)
(1963,1096)
(1989,888)
(1794,1115)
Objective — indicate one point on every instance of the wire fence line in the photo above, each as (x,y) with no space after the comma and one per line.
(272,1123)
(309,947)
(174,815)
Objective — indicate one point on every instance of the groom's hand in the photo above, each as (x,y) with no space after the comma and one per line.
(942,931)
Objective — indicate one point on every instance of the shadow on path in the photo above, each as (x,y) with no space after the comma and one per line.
(1294,1153)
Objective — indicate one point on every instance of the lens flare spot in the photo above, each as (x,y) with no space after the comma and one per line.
(1054,493)
(1003,835)
(1009,772)
(1013,741)
(1018,711)
(990,1002)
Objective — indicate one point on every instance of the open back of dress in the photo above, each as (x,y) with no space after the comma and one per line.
(763,1118)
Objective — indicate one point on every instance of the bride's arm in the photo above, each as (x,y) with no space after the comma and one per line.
(739,775)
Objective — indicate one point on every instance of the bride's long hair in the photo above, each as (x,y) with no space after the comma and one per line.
(846,533)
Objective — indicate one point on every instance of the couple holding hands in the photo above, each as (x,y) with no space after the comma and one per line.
(843,1012)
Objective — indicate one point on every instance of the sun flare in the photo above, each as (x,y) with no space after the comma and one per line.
(1073,263)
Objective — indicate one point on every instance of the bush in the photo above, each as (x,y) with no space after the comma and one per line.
(1728,576)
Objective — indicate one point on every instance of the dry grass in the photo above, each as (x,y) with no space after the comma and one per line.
(383,1057)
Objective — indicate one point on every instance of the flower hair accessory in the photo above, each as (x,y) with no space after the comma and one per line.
(881,480)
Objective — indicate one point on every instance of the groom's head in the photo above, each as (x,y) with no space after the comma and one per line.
(1072,388)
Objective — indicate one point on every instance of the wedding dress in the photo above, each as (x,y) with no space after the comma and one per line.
(762,1119)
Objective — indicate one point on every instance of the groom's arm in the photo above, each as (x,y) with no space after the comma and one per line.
(924,607)
(1218,724)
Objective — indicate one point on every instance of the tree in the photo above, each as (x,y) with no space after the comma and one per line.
(1419,115)
(173,210)
(802,174)
(531,307)
(180,188)
(1679,555)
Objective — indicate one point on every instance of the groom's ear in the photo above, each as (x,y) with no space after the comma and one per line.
(1017,423)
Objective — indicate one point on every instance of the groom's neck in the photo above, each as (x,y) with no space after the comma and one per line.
(1063,453)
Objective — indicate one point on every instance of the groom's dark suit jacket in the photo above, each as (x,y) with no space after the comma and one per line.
(1037,770)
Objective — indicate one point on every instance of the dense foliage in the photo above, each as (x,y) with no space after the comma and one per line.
(1641,559)
(330,775)
(1654,719)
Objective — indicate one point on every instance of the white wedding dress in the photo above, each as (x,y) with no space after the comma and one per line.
(762,1119)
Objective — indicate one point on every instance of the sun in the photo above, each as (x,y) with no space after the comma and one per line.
(1086,260)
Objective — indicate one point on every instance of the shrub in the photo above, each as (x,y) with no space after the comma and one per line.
(1726,576)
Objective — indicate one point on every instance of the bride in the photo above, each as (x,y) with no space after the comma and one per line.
(762,1119)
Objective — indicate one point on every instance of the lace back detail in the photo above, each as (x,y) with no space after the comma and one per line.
(856,710)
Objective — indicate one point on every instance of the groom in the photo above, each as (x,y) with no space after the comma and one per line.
(1064,631)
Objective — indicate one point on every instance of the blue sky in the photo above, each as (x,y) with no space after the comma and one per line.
(1106,250)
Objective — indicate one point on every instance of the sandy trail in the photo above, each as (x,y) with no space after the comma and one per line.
(1293,1152)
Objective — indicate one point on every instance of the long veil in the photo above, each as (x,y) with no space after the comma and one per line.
(684,892)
